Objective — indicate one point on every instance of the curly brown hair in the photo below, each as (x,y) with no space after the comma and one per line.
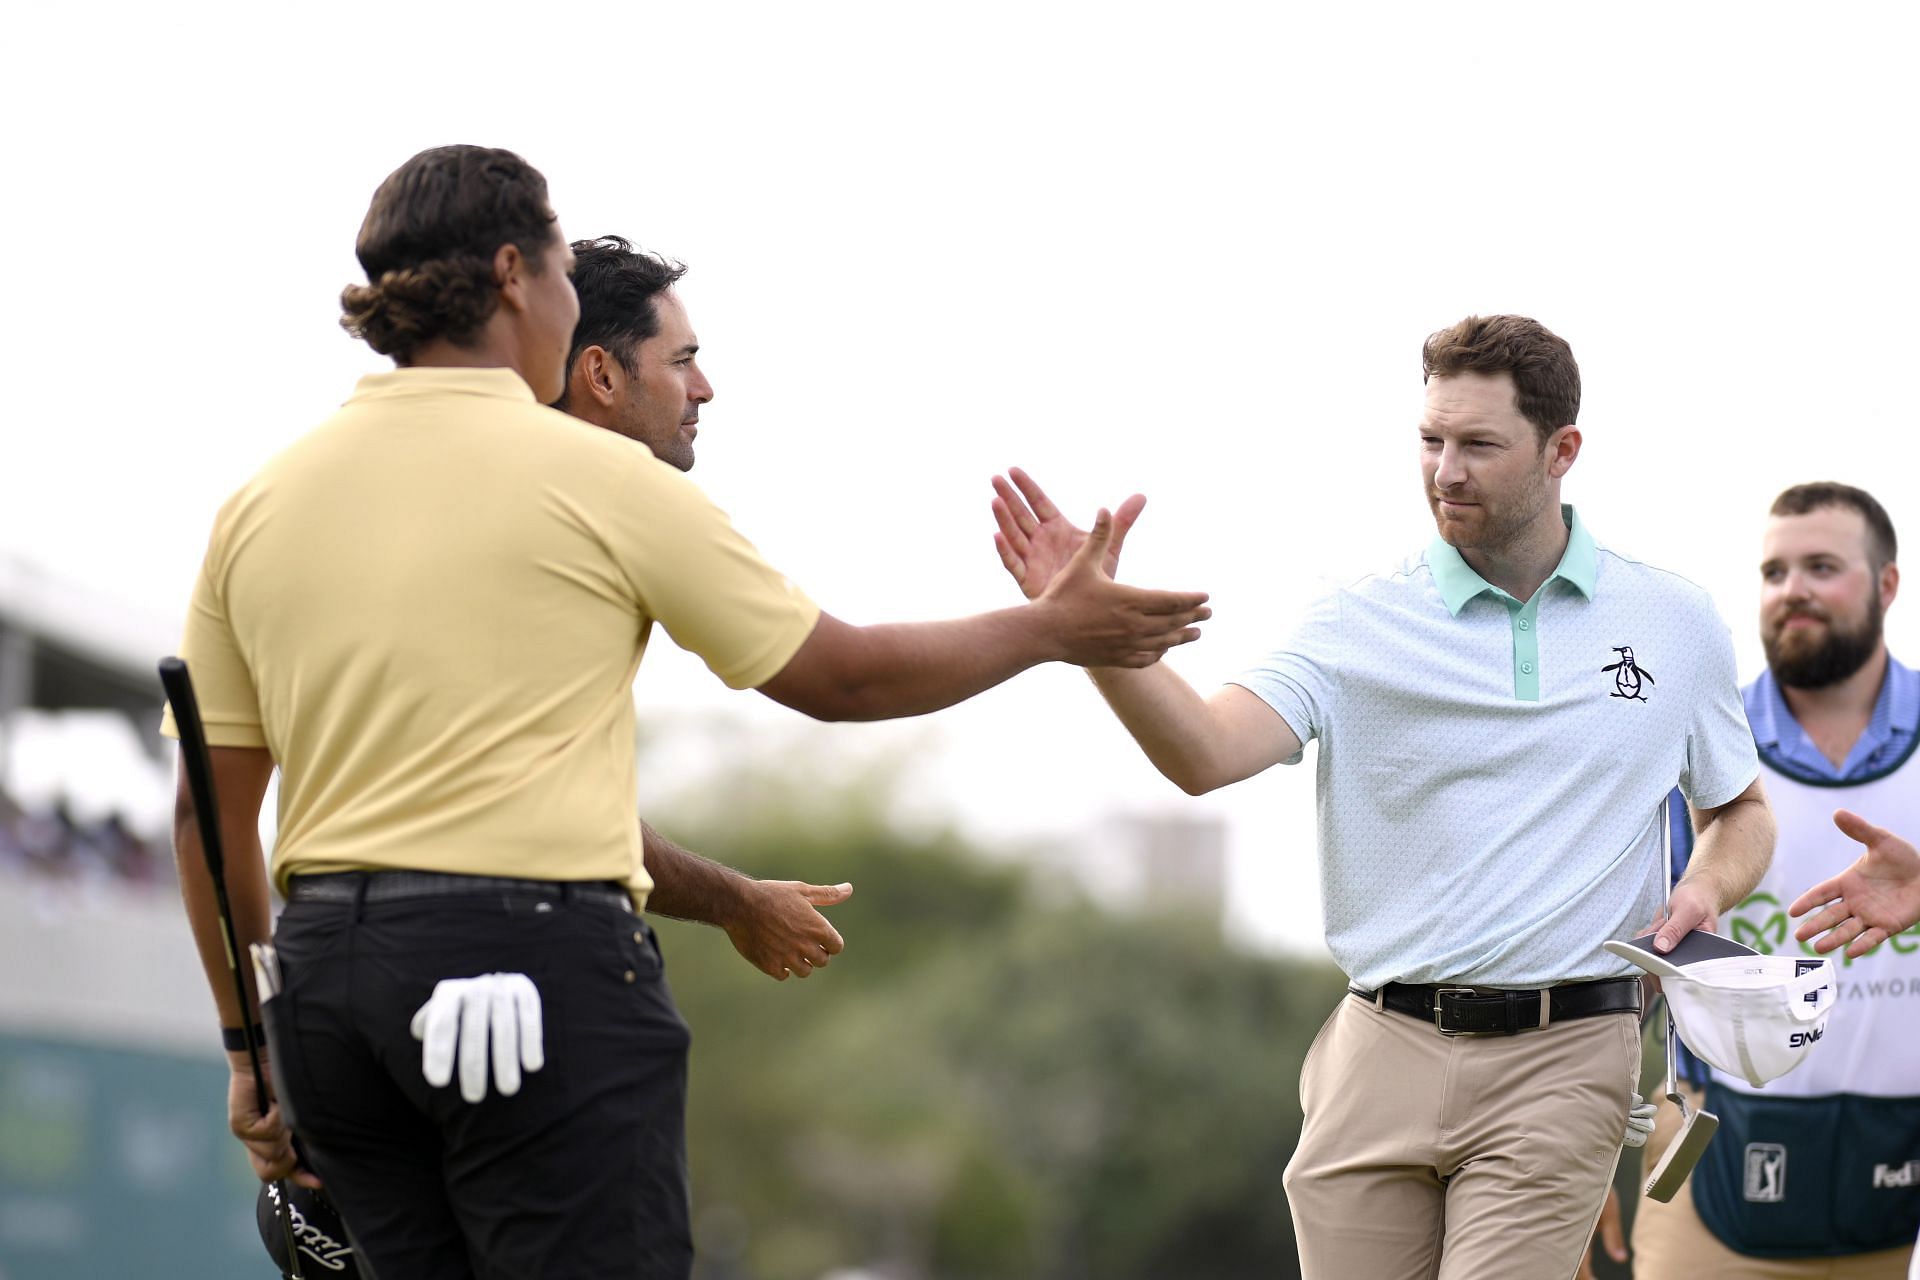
(1546,381)
(428,244)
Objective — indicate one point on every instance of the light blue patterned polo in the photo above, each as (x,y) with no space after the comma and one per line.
(1492,773)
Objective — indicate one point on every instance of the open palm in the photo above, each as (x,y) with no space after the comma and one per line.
(1035,540)
(1876,897)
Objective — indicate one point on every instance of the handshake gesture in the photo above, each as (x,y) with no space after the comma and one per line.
(1070,570)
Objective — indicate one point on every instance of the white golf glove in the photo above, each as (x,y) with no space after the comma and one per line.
(1640,1121)
(503,1007)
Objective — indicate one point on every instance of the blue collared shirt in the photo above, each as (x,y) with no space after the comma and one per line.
(1889,736)
(1889,733)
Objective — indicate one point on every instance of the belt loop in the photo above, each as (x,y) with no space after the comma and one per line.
(360,898)
(1380,999)
(1546,1007)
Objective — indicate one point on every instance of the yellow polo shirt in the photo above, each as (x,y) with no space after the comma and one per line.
(431,610)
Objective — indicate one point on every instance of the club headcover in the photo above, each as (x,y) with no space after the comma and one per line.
(318,1233)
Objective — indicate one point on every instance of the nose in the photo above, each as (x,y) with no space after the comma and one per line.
(1451,472)
(699,390)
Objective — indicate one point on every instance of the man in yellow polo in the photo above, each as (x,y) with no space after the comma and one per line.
(428,614)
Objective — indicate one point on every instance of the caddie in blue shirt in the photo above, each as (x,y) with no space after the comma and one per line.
(1500,720)
(1817,1176)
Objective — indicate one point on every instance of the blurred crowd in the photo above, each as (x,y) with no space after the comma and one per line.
(48,842)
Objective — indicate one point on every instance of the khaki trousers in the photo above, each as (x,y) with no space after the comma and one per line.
(1670,1242)
(1431,1157)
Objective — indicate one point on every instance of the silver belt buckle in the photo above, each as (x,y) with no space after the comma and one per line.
(1438,995)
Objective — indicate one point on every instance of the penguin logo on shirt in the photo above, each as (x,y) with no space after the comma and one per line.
(1628,676)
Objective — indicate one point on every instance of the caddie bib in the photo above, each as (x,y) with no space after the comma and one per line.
(1826,1159)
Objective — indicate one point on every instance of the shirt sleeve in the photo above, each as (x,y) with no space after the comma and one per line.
(1300,680)
(1721,759)
(222,684)
(708,586)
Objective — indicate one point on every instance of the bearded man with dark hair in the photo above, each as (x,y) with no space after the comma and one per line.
(1809,1180)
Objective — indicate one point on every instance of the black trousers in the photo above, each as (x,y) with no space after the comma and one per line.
(582,1173)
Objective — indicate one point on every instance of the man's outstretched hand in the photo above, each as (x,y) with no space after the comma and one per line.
(1093,621)
(1036,542)
(1875,898)
(1069,571)
(780,930)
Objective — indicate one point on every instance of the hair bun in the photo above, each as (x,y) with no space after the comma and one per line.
(443,298)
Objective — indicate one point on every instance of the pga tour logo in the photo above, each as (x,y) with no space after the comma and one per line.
(1766,1181)
(1887,1177)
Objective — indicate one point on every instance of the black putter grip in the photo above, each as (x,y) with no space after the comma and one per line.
(193,746)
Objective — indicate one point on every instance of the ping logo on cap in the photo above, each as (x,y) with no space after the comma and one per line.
(1766,1181)
(1801,967)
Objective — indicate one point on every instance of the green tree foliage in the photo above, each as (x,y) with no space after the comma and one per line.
(995,1080)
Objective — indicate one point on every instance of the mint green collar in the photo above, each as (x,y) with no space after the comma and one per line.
(1458,583)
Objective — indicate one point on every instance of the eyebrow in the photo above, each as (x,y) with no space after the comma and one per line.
(1777,562)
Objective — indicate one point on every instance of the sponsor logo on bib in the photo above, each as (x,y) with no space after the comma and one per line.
(1766,1173)
(1895,1176)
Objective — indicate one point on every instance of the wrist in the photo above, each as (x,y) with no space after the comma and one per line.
(1706,886)
(234,1039)
(1038,627)
(733,900)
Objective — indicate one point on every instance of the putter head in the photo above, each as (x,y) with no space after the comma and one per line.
(1682,1154)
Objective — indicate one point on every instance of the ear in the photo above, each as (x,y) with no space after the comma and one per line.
(1889,583)
(1563,446)
(597,375)
(510,274)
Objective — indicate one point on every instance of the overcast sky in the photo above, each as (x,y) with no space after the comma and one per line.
(1187,251)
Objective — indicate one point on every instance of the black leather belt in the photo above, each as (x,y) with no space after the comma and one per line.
(395,886)
(1485,1011)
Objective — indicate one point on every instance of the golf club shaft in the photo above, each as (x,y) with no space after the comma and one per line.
(199,767)
(1673,1083)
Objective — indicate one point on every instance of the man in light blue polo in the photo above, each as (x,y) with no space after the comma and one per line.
(1500,721)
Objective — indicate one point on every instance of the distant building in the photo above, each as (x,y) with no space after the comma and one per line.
(85,780)
(63,647)
(1162,862)
(1183,862)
